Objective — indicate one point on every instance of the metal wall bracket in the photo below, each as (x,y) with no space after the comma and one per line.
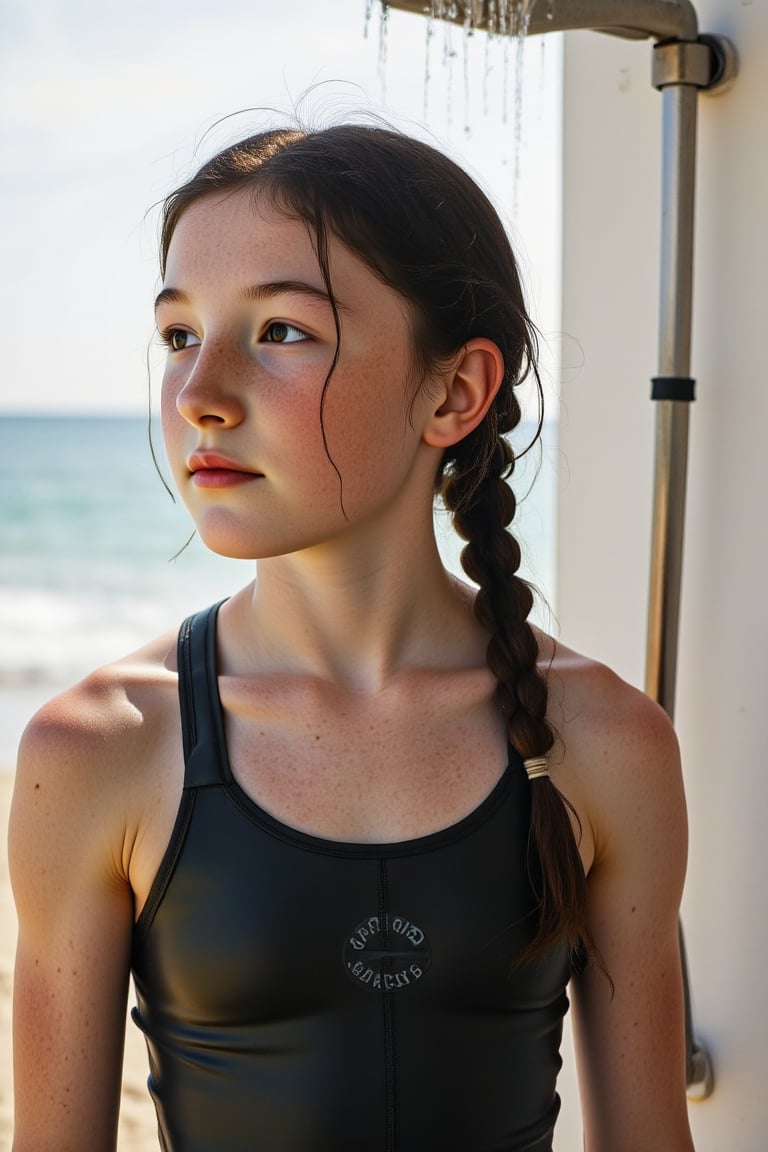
(709,63)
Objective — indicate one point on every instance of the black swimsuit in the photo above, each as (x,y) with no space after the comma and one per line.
(305,995)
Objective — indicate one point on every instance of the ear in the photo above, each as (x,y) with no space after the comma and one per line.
(468,389)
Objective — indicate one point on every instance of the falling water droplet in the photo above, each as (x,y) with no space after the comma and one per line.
(504,32)
(489,38)
(368,12)
(507,21)
(466,37)
(449,55)
(523,23)
(383,29)
(427,59)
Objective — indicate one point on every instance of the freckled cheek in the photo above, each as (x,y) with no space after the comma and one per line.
(172,424)
(296,432)
(167,400)
(366,414)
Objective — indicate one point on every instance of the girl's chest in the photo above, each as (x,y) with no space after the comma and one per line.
(369,770)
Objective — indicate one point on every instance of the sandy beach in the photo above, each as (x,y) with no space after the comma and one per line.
(138,1130)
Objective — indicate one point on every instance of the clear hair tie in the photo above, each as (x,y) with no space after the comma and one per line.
(536,767)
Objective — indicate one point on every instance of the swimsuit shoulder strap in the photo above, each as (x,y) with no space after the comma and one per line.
(202,725)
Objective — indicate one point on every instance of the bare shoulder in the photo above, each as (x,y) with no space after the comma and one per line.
(88,757)
(92,721)
(88,786)
(617,755)
(617,761)
(588,697)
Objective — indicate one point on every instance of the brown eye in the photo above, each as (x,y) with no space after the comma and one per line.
(280,333)
(178,339)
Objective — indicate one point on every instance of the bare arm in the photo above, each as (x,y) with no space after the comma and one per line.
(67,858)
(630,1044)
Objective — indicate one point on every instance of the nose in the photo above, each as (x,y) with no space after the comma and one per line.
(212,391)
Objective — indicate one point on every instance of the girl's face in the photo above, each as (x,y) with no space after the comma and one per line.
(251,338)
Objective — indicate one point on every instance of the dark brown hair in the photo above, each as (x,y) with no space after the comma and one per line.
(426,229)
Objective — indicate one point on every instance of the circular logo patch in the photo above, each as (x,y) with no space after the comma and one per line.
(388,952)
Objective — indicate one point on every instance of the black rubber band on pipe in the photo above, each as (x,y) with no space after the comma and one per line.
(673,388)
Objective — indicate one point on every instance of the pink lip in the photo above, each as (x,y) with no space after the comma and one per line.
(209,470)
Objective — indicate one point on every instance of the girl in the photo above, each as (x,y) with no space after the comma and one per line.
(354,831)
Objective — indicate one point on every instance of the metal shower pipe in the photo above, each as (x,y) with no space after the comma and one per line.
(684,62)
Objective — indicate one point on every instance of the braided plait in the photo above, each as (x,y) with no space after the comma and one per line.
(483,505)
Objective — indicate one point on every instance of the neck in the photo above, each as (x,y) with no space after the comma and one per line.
(358,614)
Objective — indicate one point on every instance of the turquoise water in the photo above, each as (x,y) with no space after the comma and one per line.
(87,533)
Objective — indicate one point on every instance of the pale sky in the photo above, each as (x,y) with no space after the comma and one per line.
(105,106)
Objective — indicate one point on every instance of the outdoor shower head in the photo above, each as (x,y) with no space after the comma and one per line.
(634,19)
(660,20)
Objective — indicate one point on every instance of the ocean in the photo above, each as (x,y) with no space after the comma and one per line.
(88,536)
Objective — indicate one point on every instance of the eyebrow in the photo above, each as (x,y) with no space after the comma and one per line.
(266,291)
